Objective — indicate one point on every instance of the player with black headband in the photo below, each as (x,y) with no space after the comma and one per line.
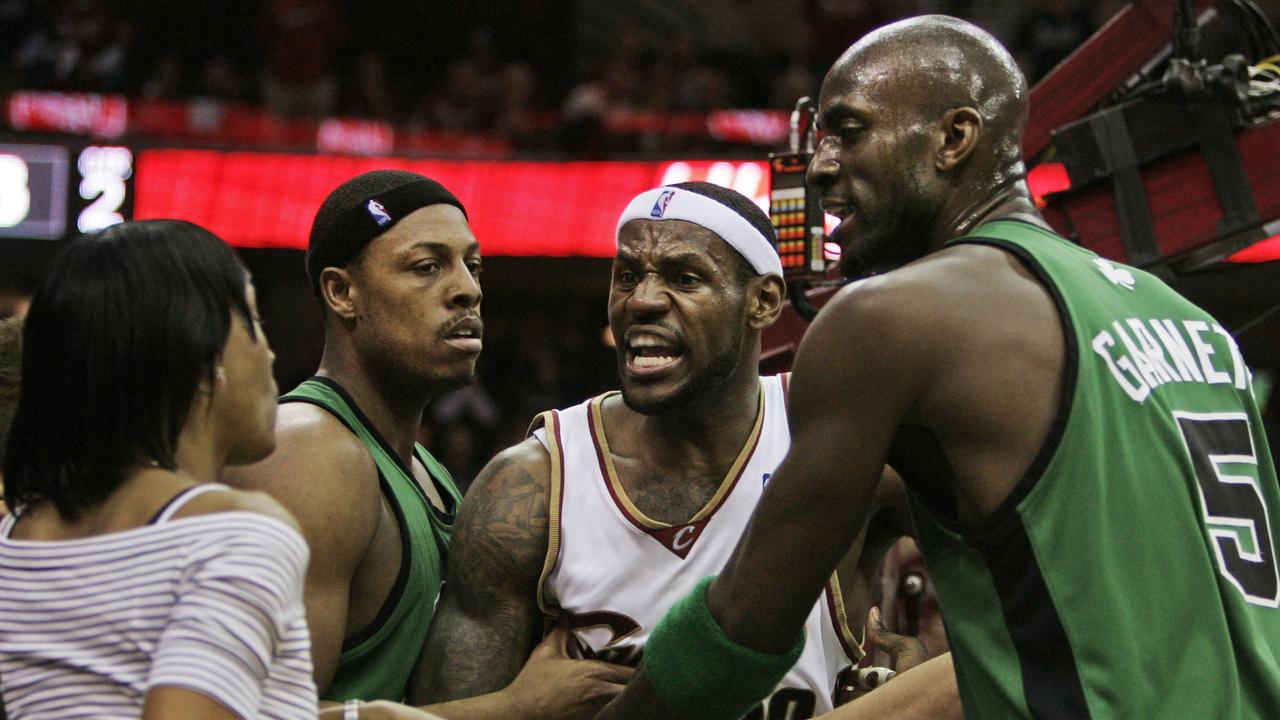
(396,267)
(615,508)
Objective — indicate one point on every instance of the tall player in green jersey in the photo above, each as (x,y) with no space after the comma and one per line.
(1089,478)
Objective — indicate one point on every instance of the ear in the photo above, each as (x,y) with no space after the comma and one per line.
(961,128)
(207,389)
(767,294)
(338,289)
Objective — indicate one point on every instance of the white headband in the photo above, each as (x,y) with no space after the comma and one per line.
(669,203)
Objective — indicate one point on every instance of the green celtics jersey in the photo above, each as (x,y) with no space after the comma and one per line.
(376,664)
(1132,572)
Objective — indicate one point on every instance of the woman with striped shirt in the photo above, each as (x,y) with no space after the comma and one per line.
(134,585)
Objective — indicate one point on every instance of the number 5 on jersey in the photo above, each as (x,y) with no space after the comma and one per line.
(1222,452)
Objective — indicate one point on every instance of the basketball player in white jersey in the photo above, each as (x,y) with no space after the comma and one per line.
(614,508)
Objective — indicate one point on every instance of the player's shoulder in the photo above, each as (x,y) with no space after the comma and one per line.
(932,298)
(321,472)
(311,444)
(228,500)
(503,525)
(524,467)
(305,427)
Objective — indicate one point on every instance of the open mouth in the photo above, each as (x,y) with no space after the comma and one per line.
(838,208)
(649,354)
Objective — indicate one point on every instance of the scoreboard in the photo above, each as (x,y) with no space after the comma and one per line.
(58,189)
(51,191)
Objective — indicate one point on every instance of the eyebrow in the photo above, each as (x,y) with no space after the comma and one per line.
(836,114)
(688,258)
(696,259)
(440,247)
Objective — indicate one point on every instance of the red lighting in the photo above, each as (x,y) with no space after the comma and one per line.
(516,208)
(1262,251)
(1047,178)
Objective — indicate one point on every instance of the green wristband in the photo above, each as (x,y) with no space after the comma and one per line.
(700,673)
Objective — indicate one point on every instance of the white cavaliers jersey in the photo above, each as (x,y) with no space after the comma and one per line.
(611,573)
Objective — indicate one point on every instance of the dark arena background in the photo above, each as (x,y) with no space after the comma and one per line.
(546,116)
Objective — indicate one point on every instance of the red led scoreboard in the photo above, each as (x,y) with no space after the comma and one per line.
(267,200)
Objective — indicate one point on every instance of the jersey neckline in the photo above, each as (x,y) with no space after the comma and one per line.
(629,510)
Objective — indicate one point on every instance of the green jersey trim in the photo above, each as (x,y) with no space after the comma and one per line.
(375,662)
(994,529)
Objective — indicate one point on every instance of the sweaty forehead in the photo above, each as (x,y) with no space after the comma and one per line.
(875,76)
(654,240)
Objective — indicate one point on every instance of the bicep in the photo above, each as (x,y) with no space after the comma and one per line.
(850,388)
(328,481)
(488,619)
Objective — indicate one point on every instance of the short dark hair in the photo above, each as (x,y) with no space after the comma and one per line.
(122,329)
(742,205)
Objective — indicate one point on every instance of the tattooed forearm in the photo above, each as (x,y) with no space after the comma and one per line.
(488,619)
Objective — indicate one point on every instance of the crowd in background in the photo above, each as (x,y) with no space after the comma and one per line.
(553,65)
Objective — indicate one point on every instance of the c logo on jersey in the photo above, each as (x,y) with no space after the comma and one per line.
(680,539)
(684,538)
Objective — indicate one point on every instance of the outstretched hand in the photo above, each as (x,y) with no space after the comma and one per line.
(906,651)
(553,686)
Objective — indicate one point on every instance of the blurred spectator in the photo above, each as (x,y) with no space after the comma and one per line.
(103,42)
(78,46)
(368,95)
(459,104)
(459,427)
(625,81)
(611,87)
(834,25)
(301,38)
(472,404)
(220,82)
(518,87)
(469,96)
(14,20)
(793,83)
(462,450)
(698,86)
(1052,30)
(165,82)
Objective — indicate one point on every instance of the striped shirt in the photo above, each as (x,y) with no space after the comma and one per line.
(209,603)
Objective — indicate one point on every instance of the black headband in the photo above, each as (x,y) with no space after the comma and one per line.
(337,242)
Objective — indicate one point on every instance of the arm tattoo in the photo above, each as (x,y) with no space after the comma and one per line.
(488,619)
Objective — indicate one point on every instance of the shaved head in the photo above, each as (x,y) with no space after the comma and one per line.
(922,126)
(938,63)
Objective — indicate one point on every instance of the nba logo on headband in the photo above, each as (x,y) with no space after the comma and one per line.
(660,206)
(378,213)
